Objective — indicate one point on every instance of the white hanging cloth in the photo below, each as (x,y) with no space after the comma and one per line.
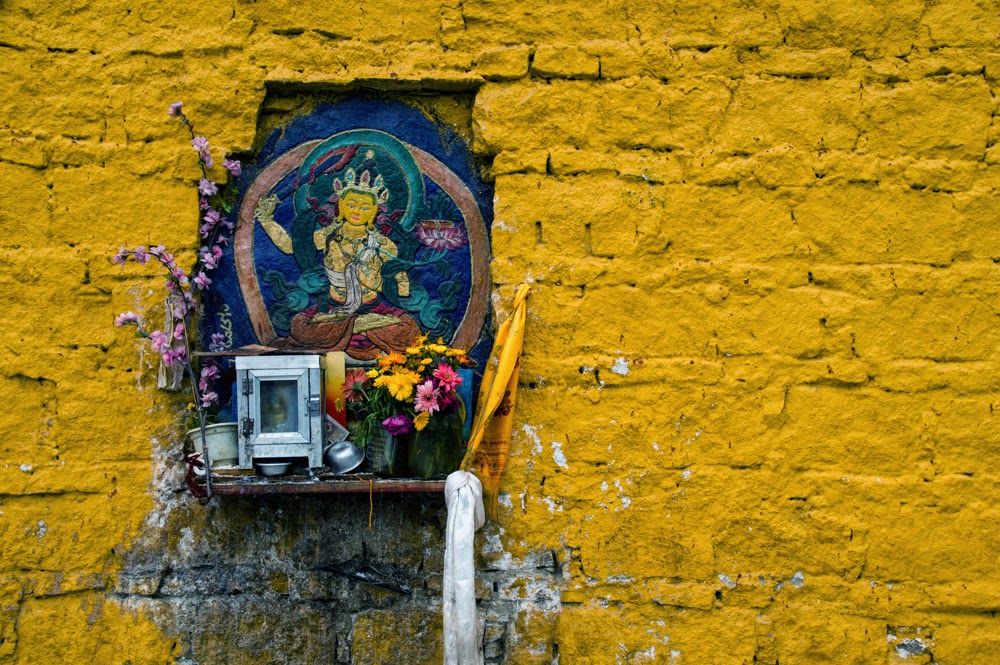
(463,640)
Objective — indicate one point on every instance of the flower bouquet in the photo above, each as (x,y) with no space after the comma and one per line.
(411,393)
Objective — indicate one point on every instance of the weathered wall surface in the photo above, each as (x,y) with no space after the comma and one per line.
(757,414)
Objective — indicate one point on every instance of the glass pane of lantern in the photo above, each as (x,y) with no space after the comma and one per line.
(279,406)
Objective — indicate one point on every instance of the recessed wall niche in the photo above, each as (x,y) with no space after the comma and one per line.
(362,222)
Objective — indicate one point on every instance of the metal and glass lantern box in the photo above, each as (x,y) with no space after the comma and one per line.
(280,408)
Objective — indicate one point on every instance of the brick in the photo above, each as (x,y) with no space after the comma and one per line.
(867,224)
(808,114)
(691,24)
(821,63)
(381,23)
(947,522)
(948,121)
(503,64)
(962,23)
(24,206)
(622,60)
(833,429)
(558,61)
(889,29)
(82,196)
(800,636)
(502,22)
(967,639)
(423,626)
(646,114)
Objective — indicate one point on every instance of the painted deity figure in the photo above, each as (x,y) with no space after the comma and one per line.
(354,248)
(354,252)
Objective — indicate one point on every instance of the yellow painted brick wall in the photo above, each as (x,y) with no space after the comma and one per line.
(756,421)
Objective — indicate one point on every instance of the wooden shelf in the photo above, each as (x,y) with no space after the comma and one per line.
(231,482)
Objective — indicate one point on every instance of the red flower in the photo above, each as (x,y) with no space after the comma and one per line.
(354,385)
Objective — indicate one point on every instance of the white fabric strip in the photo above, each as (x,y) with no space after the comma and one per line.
(463,640)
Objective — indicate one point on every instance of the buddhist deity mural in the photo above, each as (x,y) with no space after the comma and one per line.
(360,227)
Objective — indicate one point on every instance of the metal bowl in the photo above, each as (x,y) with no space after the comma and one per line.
(274,468)
(343,456)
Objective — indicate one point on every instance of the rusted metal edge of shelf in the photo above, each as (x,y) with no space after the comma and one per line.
(253,485)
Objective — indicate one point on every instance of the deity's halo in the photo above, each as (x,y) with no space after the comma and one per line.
(369,140)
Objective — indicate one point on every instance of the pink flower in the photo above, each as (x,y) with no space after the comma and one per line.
(160,341)
(206,157)
(440,234)
(203,203)
(398,424)
(126,318)
(173,356)
(120,257)
(177,272)
(210,371)
(179,331)
(202,281)
(447,377)
(207,187)
(427,397)
(163,256)
(208,258)
(140,255)
(175,109)
(354,385)
(217,342)
(233,166)
(208,399)
(200,143)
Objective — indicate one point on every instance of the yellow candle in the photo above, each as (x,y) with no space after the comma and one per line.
(336,405)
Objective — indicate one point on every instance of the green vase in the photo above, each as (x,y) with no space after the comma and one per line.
(382,453)
(436,450)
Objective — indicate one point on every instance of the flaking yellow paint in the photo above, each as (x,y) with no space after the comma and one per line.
(756,420)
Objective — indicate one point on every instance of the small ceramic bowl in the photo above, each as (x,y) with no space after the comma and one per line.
(273,468)
(343,456)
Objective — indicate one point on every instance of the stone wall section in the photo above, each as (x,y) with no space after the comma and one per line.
(756,420)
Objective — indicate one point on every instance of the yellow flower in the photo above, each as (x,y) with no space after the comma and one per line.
(437,348)
(420,420)
(426,361)
(418,346)
(372,373)
(400,385)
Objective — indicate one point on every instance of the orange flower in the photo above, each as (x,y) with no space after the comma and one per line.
(393,358)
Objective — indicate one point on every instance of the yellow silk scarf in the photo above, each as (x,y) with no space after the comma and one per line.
(489,445)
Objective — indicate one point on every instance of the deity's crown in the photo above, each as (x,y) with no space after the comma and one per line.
(363,183)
